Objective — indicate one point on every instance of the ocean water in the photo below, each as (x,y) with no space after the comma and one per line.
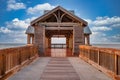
(10,45)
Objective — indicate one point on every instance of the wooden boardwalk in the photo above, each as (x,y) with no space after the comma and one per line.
(59,69)
(68,68)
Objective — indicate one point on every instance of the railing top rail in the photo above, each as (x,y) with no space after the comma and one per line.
(105,50)
(58,44)
(15,48)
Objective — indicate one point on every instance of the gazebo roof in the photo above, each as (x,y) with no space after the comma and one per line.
(61,9)
(87,30)
(30,30)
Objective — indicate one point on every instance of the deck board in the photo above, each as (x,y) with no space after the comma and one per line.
(48,68)
(59,70)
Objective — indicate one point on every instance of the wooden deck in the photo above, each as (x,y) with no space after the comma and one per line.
(57,67)
(59,52)
(68,68)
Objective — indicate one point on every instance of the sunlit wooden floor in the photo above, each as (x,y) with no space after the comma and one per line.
(67,68)
(59,52)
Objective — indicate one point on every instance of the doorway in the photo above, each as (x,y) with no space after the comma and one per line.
(59,43)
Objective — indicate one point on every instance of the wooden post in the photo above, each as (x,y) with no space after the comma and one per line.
(32,39)
(115,65)
(49,42)
(67,42)
(40,38)
(98,57)
(88,40)
(28,39)
(4,63)
(78,38)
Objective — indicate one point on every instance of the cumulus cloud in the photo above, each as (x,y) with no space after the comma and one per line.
(5,30)
(13,5)
(100,21)
(14,30)
(102,29)
(16,23)
(38,9)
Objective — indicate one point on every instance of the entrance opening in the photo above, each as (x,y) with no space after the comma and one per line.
(58,42)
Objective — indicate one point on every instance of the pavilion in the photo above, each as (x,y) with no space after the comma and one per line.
(58,22)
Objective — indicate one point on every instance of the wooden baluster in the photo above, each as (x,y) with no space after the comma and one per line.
(115,65)
(98,57)
(4,63)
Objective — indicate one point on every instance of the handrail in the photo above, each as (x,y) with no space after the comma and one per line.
(58,45)
(105,59)
(11,58)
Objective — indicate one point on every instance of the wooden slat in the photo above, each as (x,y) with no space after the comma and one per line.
(12,57)
(106,59)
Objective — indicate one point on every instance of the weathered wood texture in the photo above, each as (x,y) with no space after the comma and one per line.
(78,38)
(12,58)
(105,59)
(40,39)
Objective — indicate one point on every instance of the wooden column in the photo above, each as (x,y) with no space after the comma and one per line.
(67,42)
(40,38)
(78,39)
(88,40)
(28,38)
(32,39)
(71,42)
(49,42)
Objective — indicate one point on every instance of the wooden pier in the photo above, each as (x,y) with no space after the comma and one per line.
(54,67)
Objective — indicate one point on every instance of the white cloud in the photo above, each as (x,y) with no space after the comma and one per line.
(13,5)
(106,20)
(16,23)
(101,28)
(14,30)
(98,37)
(19,24)
(38,9)
(4,30)
(116,25)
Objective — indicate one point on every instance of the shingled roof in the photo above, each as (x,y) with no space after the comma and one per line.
(30,30)
(87,30)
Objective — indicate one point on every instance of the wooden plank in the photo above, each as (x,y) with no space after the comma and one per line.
(60,70)
(59,24)
(59,28)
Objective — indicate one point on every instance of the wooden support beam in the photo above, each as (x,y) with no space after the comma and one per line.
(60,24)
(59,28)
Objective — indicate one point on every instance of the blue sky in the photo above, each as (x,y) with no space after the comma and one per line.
(103,17)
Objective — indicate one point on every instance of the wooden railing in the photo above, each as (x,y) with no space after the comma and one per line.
(12,58)
(105,59)
(58,45)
